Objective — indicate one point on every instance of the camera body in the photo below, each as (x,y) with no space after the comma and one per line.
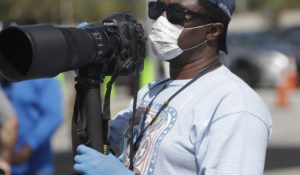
(117,44)
(121,43)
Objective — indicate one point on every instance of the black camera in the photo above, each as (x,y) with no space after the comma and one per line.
(117,44)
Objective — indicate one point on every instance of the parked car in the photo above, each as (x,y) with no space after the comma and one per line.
(256,59)
(291,35)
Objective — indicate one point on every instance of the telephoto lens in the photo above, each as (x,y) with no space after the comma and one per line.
(43,50)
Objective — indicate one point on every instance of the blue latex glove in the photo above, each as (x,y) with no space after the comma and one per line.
(91,162)
(82,25)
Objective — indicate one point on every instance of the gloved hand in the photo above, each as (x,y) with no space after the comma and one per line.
(82,25)
(91,162)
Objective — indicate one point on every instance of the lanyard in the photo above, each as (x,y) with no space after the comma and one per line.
(205,70)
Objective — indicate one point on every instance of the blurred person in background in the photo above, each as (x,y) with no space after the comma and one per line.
(203,120)
(8,133)
(38,105)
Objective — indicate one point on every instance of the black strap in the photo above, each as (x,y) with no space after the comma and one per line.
(150,104)
(160,90)
(137,82)
(155,86)
(106,107)
(205,70)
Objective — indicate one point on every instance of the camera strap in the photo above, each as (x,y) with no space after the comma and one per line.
(135,98)
(106,107)
(134,146)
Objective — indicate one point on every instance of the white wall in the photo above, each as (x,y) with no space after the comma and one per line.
(257,21)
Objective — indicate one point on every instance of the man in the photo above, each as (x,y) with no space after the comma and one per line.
(203,120)
(38,104)
(8,132)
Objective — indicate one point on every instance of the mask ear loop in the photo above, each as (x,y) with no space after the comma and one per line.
(201,43)
(198,27)
(198,45)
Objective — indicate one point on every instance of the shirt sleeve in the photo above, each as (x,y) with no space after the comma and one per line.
(6,110)
(117,127)
(236,145)
(50,106)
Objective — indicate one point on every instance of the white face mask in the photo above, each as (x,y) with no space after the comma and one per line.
(164,39)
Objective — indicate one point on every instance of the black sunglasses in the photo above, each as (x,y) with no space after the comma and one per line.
(174,12)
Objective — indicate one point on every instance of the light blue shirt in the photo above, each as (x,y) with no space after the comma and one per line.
(216,126)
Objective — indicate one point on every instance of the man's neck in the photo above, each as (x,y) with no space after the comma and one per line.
(187,67)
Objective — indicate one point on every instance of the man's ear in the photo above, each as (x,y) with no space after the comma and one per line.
(215,31)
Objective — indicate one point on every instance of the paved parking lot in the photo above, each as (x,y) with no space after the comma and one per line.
(283,156)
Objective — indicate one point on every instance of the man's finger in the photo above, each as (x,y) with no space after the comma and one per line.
(81,158)
(80,168)
(82,149)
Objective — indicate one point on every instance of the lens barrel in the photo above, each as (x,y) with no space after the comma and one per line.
(38,51)
(115,46)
